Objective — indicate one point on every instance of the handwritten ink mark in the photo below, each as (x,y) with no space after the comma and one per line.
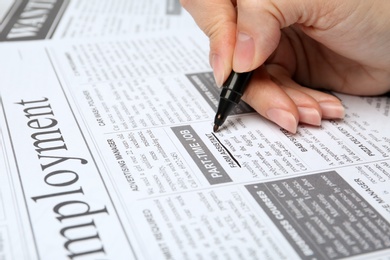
(224,147)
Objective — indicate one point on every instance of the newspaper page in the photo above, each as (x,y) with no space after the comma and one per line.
(381,103)
(24,20)
(107,149)
(108,153)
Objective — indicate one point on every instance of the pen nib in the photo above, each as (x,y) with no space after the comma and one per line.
(215,129)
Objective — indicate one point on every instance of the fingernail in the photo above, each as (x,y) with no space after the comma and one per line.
(218,69)
(283,118)
(332,110)
(309,116)
(243,53)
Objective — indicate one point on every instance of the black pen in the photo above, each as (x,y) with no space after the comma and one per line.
(230,96)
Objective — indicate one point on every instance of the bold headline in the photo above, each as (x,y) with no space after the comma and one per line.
(69,205)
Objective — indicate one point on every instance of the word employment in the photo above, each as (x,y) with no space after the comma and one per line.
(70,210)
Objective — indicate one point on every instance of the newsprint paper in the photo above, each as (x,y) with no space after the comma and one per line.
(107,150)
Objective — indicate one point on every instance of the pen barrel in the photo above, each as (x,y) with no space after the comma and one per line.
(235,85)
(231,94)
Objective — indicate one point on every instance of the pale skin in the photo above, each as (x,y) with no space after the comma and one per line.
(295,47)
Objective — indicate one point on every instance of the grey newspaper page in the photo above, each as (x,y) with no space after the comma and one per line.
(107,152)
(25,20)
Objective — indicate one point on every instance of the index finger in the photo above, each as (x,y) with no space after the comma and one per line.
(217,19)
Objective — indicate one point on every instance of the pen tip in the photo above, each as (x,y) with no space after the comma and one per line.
(215,129)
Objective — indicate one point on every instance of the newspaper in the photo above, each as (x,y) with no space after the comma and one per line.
(22,20)
(107,152)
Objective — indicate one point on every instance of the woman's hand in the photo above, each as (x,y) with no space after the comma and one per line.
(296,46)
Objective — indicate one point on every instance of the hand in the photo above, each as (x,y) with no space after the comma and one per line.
(296,46)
